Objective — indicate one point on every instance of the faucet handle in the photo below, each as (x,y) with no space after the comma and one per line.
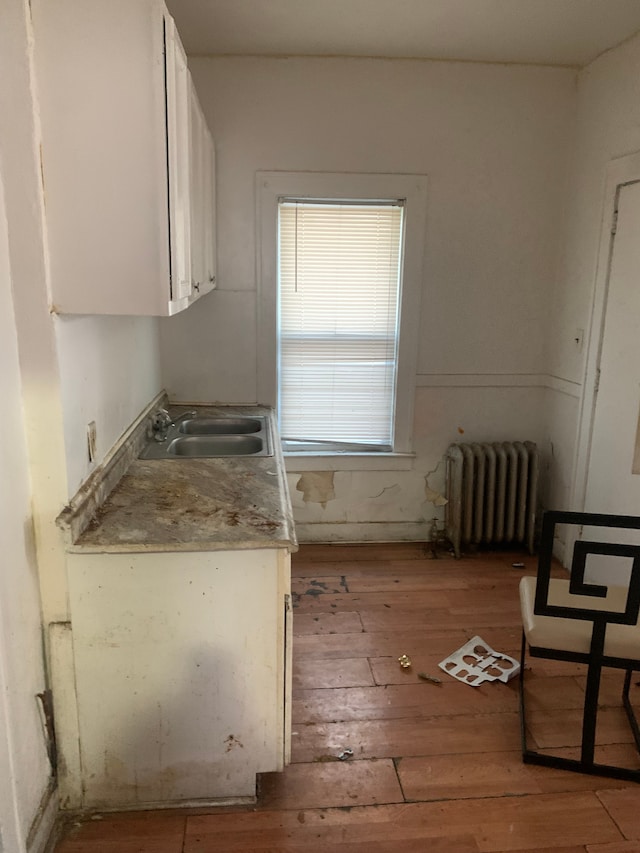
(160,423)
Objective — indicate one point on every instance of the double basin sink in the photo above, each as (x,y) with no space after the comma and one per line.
(209,437)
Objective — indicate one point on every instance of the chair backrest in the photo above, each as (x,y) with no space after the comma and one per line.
(581,551)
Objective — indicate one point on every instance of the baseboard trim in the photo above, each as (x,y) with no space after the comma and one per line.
(45,828)
(354,532)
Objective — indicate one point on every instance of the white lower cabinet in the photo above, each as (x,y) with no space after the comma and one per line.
(182,673)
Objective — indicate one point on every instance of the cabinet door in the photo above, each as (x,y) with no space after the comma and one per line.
(209,185)
(178,153)
(202,176)
(181,693)
(102,99)
(196,169)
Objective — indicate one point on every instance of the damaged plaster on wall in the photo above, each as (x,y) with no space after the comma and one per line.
(431,495)
(317,487)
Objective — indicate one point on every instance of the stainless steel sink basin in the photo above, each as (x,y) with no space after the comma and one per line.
(215,445)
(210,437)
(221,426)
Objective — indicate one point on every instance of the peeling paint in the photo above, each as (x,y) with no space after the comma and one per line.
(432,496)
(317,487)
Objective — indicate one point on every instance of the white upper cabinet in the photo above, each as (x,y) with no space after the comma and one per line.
(178,83)
(202,175)
(115,104)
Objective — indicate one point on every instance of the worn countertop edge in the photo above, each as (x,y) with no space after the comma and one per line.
(180,547)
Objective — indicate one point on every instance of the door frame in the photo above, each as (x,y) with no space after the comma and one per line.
(620,172)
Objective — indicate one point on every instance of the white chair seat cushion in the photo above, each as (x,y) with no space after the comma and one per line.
(574,635)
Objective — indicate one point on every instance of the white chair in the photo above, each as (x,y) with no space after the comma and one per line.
(573,620)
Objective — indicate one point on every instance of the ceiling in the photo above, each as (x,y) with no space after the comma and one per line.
(548,32)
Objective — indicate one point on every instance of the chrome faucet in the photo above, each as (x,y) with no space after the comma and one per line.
(161,422)
(183,416)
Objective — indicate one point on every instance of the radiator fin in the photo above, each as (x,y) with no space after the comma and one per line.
(492,493)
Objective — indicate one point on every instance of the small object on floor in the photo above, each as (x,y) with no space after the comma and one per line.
(404,661)
(517,565)
(345,754)
(476,662)
(432,678)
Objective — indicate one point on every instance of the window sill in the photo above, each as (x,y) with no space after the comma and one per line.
(332,461)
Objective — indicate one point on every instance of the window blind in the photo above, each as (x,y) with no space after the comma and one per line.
(339,289)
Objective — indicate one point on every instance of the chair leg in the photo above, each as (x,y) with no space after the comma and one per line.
(590,714)
(586,763)
(523,721)
(591,696)
(633,722)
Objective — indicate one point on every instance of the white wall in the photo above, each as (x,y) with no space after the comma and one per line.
(494,142)
(608,126)
(109,371)
(25,768)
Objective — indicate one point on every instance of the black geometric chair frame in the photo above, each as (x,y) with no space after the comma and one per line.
(618,648)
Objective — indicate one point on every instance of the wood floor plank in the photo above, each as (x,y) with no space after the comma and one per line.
(551,729)
(407,582)
(624,808)
(148,832)
(360,643)
(500,774)
(475,622)
(611,684)
(324,674)
(615,754)
(403,737)
(318,585)
(547,693)
(418,700)
(421,600)
(540,666)
(375,551)
(533,823)
(326,623)
(457,844)
(331,784)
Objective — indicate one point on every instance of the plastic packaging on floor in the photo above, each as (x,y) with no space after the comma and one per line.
(476,662)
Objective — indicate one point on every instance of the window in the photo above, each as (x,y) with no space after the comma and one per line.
(339,291)
(340,277)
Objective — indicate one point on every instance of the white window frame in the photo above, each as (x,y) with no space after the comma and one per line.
(270,187)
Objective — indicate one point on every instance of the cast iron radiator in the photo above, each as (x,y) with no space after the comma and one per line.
(491,492)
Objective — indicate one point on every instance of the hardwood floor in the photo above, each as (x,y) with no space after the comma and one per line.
(435,768)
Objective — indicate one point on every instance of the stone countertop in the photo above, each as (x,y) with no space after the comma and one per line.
(229,503)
